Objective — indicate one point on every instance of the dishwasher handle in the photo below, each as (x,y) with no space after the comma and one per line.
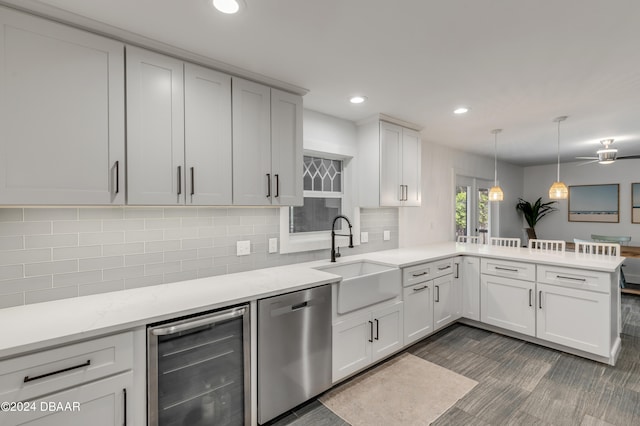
(188,325)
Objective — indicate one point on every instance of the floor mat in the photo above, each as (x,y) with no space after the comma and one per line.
(406,390)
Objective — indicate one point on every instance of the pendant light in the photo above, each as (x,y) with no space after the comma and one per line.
(558,190)
(495,193)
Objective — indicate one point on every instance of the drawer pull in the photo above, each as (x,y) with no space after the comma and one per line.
(42,376)
(442,268)
(420,274)
(420,288)
(506,269)
(562,277)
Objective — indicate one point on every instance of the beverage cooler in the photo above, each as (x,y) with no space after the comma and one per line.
(199,371)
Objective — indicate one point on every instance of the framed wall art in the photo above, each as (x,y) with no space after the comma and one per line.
(595,203)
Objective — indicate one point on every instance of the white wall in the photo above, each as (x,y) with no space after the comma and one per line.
(434,220)
(557,226)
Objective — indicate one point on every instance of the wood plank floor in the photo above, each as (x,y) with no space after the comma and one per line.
(521,383)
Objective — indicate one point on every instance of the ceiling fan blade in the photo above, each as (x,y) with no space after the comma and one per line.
(586,158)
(628,157)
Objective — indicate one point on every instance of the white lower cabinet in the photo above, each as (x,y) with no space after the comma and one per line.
(365,338)
(508,303)
(574,318)
(418,312)
(470,287)
(101,403)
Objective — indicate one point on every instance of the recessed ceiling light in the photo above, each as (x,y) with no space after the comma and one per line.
(461,110)
(227,6)
(357,99)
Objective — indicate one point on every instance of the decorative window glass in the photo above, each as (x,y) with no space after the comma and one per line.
(322,196)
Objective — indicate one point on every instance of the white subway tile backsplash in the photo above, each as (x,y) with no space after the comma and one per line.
(9,300)
(95,238)
(102,287)
(10,272)
(48,268)
(25,284)
(123,225)
(118,249)
(14,257)
(50,214)
(102,213)
(96,263)
(53,253)
(55,240)
(123,273)
(64,280)
(11,215)
(24,228)
(67,227)
(50,294)
(15,242)
(143,259)
(76,252)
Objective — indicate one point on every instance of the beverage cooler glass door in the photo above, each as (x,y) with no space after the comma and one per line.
(198,370)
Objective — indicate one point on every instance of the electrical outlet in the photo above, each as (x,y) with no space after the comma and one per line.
(364,237)
(386,236)
(273,245)
(243,248)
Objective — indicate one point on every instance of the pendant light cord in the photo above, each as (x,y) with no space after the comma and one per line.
(558,175)
(495,160)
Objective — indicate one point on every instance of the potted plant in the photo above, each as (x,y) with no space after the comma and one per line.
(533,213)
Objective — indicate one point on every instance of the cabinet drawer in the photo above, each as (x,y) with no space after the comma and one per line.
(426,271)
(506,268)
(575,278)
(29,376)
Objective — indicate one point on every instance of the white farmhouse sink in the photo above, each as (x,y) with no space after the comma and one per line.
(364,283)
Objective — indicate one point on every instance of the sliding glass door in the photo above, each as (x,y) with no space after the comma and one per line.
(472,208)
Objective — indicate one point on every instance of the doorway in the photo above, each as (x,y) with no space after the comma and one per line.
(473,212)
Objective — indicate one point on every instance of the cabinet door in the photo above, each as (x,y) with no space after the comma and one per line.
(155,129)
(351,345)
(286,148)
(390,164)
(387,333)
(101,403)
(252,177)
(207,112)
(470,276)
(411,166)
(61,114)
(508,303)
(574,318)
(418,312)
(443,301)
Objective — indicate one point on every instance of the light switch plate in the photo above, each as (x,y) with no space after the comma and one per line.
(273,245)
(243,248)
(364,237)
(386,236)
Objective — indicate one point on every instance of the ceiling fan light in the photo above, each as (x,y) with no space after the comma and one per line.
(496,194)
(558,191)
(605,162)
(607,156)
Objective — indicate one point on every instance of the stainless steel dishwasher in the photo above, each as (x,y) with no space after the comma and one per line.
(294,349)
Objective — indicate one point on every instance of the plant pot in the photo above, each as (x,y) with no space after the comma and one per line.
(531,234)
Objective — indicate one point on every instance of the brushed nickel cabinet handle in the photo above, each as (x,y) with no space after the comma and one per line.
(277,185)
(530,293)
(370,331)
(377,329)
(457,270)
(540,299)
(420,274)
(420,288)
(117,177)
(179,180)
(562,277)
(506,269)
(437,293)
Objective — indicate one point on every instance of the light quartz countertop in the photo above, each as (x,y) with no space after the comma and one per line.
(37,326)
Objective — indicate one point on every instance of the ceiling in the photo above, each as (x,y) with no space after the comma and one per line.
(517,64)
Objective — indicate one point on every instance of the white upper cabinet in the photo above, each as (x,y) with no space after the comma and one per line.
(286,148)
(61,114)
(389,158)
(207,106)
(155,128)
(179,132)
(267,145)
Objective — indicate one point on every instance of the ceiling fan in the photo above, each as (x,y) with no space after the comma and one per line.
(606,155)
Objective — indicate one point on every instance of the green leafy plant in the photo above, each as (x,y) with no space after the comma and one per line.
(534,212)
